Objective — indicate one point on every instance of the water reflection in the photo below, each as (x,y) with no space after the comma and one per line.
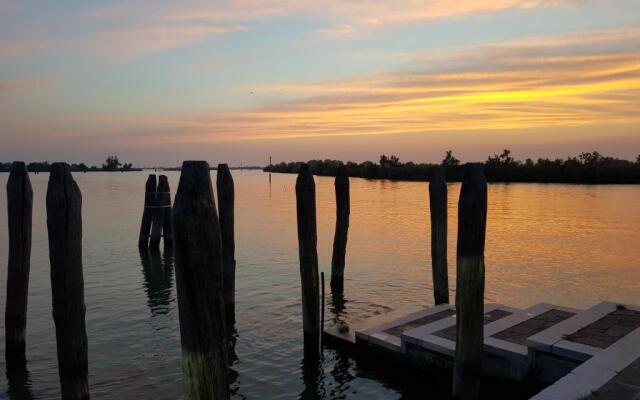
(158,279)
(19,383)
(342,373)
(312,377)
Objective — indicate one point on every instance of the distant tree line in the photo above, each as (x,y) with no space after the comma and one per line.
(112,164)
(590,167)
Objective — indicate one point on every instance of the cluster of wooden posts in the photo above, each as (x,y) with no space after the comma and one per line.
(472,215)
(202,240)
(205,272)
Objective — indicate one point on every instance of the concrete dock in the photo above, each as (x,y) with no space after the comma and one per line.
(562,348)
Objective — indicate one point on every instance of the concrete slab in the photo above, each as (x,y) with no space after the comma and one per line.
(387,334)
(613,373)
(438,337)
(344,336)
(505,338)
(570,339)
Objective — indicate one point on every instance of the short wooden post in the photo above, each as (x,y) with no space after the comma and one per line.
(472,221)
(438,208)
(342,228)
(19,206)
(147,214)
(308,253)
(158,212)
(198,265)
(164,193)
(226,199)
(64,225)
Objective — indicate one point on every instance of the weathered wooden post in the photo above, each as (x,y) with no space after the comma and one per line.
(472,222)
(438,208)
(147,214)
(322,307)
(308,253)
(164,192)
(224,184)
(162,205)
(342,228)
(64,225)
(198,264)
(157,220)
(19,206)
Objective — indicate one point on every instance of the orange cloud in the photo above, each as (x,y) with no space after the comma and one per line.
(499,90)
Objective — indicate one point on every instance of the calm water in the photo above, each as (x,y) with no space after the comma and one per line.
(571,245)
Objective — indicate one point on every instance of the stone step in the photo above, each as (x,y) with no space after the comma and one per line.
(612,374)
(575,340)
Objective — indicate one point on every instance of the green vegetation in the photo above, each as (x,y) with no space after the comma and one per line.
(590,168)
(112,164)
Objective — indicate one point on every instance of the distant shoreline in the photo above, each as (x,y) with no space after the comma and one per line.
(588,168)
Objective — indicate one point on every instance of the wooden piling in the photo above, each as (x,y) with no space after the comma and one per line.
(226,199)
(472,221)
(147,214)
(164,192)
(322,308)
(438,208)
(198,265)
(343,209)
(19,206)
(157,219)
(308,253)
(64,224)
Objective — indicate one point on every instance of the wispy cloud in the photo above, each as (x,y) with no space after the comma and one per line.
(136,28)
(133,42)
(511,89)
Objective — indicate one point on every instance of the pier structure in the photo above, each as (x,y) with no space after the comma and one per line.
(569,353)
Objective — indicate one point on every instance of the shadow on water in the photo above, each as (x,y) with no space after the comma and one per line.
(338,307)
(312,377)
(19,383)
(158,279)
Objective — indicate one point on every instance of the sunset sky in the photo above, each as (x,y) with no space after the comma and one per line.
(236,81)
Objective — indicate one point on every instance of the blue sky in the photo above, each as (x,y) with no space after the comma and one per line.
(235,81)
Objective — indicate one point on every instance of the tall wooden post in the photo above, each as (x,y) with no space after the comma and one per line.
(198,264)
(343,209)
(64,224)
(147,214)
(308,252)
(19,206)
(226,199)
(164,195)
(438,208)
(472,222)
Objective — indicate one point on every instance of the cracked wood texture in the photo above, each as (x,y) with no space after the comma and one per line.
(472,223)
(64,225)
(198,265)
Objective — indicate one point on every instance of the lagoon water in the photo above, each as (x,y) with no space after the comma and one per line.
(573,245)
